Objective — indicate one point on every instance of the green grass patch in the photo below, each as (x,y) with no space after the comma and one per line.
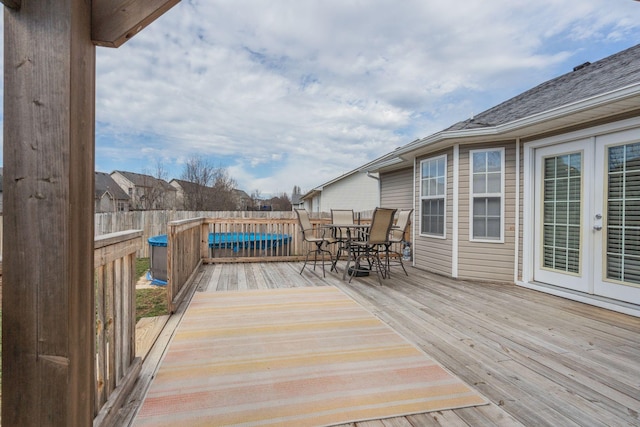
(151,302)
(142,266)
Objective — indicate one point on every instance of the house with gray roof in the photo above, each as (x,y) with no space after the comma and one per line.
(109,197)
(145,191)
(351,190)
(542,190)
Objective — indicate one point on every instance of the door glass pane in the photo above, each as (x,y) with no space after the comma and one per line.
(562,202)
(623,213)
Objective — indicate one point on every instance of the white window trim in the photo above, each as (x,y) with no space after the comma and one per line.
(501,194)
(444,196)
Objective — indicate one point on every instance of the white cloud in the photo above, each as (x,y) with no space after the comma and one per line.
(291,92)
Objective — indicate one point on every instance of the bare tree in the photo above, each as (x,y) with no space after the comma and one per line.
(211,187)
(223,186)
(198,194)
(256,198)
(154,188)
(281,203)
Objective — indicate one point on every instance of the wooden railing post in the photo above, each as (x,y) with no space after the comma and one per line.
(117,368)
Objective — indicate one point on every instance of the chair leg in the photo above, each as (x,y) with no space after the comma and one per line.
(318,251)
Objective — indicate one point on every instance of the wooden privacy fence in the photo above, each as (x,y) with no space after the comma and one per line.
(154,223)
(117,368)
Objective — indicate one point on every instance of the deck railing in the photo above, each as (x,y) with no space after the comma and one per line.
(117,368)
(217,240)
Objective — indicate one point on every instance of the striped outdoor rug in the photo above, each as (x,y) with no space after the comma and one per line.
(292,357)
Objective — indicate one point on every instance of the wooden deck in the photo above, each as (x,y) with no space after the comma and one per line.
(541,360)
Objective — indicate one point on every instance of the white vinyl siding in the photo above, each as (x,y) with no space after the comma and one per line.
(356,191)
(487,194)
(433,185)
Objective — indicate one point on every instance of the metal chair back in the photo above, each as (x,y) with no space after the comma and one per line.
(381,223)
(305,223)
(402,224)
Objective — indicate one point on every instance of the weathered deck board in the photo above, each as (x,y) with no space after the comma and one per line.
(540,359)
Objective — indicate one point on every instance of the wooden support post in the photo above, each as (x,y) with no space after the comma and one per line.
(48,298)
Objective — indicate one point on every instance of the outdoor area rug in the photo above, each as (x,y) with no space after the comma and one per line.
(292,357)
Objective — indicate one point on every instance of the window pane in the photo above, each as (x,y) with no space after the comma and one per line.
(479,207)
(441,167)
(479,184)
(562,212)
(486,218)
(433,217)
(494,183)
(479,162)
(623,213)
(494,161)
(493,206)
(493,228)
(479,228)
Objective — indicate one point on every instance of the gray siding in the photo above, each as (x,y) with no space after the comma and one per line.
(482,260)
(432,253)
(396,189)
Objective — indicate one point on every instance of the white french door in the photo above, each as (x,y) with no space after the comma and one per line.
(587,215)
(617,255)
(562,241)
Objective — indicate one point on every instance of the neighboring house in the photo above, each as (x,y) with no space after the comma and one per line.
(243,200)
(109,197)
(296,201)
(191,196)
(145,191)
(541,190)
(353,190)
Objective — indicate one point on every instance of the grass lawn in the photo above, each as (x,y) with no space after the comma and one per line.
(149,302)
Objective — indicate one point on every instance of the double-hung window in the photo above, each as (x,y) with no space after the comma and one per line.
(433,189)
(487,194)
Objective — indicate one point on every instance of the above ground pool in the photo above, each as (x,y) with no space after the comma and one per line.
(220,245)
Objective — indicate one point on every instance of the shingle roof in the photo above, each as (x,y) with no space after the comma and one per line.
(104,183)
(142,180)
(188,186)
(614,72)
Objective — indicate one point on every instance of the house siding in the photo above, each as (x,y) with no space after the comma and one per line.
(396,189)
(357,191)
(433,253)
(487,260)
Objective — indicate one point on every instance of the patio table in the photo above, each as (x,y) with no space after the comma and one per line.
(352,229)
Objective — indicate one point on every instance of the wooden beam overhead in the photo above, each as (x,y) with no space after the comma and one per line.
(115,22)
(12,4)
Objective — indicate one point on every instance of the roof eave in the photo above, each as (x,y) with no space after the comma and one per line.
(517,128)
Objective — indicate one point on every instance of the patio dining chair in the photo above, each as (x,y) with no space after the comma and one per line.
(368,250)
(342,234)
(321,243)
(397,237)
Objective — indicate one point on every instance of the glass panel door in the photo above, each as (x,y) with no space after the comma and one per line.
(617,272)
(561,246)
(562,202)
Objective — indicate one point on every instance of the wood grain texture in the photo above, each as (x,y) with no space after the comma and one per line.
(540,359)
(115,22)
(48,209)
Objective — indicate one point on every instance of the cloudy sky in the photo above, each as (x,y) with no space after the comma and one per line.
(291,92)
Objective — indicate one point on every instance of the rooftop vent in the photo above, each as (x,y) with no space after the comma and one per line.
(581,66)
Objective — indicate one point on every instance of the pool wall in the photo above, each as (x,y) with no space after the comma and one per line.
(221,245)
